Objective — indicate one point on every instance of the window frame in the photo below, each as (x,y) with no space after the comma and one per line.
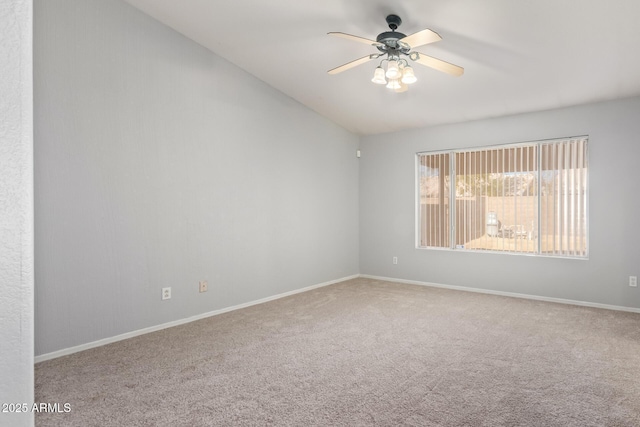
(452,197)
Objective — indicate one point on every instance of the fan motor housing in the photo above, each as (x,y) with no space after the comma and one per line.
(390,38)
(390,41)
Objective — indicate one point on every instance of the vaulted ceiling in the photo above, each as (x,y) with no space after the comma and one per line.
(518,56)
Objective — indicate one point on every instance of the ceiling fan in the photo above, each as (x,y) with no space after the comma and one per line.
(395,48)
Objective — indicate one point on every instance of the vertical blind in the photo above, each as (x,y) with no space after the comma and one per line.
(434,200)
(520,198)
(564,187)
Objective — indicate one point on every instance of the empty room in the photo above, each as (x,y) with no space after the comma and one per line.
(329,213)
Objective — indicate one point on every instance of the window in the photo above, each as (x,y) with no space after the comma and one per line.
(519,198)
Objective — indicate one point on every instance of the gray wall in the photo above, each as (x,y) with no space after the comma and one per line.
(387,207)
(16,209)
(160,164)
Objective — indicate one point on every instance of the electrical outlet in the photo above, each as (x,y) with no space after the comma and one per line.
(395,259)
(633,281)
(166,293)
(204,286)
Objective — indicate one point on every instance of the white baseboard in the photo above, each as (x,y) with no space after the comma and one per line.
(105,341)
(505,294)
(99,343)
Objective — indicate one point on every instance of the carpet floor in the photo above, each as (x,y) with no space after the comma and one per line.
(358,353)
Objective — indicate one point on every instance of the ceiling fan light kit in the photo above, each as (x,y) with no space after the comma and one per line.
(394,47)
(399,73)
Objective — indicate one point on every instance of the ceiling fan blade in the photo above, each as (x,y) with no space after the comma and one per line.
(437,64)
(356,38)
(421,38)
(351,64)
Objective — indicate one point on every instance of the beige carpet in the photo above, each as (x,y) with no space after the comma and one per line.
(363,352)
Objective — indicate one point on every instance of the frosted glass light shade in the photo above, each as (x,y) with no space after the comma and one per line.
(394,84)
(407,76)
(378,76)
(393,72)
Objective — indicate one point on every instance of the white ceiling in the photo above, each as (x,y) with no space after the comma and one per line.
(518,56)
